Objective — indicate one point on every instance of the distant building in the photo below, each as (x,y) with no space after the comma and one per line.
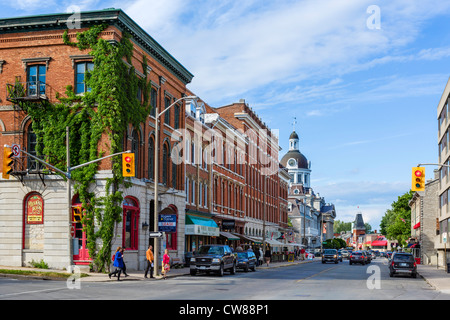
(311,217)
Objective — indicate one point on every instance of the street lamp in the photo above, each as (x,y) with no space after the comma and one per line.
(156,176)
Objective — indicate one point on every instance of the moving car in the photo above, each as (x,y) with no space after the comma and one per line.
(330,255)
(402,263)
(358,257)
(246,260)
(213,257)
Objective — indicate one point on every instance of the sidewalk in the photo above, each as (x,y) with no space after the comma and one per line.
(437,278)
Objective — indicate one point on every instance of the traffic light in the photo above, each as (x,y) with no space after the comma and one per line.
(8,162)
(128,169)
(77,215)
(418,179)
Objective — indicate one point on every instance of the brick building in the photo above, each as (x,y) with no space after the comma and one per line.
(226,189)
(32,52)
(263,216)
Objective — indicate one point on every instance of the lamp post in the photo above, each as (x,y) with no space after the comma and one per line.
(156,178)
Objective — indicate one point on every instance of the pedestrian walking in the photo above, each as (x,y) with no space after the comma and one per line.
(257,256)
(118,263)
(267,256)
(166,263)
(149,256)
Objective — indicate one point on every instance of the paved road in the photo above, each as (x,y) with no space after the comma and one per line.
(306,281)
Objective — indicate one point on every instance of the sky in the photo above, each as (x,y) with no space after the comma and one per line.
(362,78)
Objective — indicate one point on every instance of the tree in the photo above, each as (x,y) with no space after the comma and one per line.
(396,223)
(340,226)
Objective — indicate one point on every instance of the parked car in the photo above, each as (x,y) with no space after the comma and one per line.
(246,260)
(358,257)
(213,257)
(388,255)
(330,255)
(403,263)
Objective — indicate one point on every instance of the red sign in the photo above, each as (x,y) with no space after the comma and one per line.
(35,209)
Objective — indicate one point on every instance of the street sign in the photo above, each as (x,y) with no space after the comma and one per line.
(155,234)
(16,150)
(444,237)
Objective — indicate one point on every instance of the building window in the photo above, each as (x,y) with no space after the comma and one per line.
(153,101)
(177,117)
(165,173)
(130,224)
(135,150)
(32,164)
(36,76)
(80,76)
(167,113)
(151,157)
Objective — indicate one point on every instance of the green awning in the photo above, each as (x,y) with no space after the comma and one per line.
(200,221)
(201,226)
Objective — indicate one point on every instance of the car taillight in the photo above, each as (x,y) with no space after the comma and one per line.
(392,263)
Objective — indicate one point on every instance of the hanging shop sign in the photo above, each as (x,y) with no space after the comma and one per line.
(167,223)
(35,209)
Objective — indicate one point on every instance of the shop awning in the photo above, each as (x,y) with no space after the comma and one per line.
(379,243)
(229,236)
(274,243)
(248,239)
(201,226)
(416,226)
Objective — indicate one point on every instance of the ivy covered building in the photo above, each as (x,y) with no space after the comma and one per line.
(101,84)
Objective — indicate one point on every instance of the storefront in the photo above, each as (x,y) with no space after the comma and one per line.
(200,229)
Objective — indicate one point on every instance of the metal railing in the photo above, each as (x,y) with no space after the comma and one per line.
(31,90)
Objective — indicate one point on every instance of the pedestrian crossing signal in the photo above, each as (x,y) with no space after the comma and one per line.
(8,162)
(128,165)
(418,179)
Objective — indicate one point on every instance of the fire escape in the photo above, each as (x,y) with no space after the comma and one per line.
(20,94)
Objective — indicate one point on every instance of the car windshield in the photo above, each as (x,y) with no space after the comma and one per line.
(211,250)
(404,257)
(330,251)
(242,255)
(356,253)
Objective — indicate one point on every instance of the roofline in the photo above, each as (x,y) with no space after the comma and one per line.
(112,16)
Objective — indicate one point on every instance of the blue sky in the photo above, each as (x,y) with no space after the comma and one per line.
(365,99)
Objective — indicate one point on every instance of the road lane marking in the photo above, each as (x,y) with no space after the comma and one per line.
(316,274)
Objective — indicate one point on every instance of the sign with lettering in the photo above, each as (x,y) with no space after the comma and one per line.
(35,209)
(167,223)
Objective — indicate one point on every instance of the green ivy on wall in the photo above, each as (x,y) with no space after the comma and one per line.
(109,107)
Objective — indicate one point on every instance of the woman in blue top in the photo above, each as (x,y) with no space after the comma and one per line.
(118,263)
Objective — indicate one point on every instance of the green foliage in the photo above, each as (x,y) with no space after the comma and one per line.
(335,243)
(396,223)
(108,109)
(39,264)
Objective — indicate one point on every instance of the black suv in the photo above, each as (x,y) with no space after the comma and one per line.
(213,257)
(330,255)
(403,262)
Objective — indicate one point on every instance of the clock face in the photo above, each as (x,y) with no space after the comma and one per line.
(291,162)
